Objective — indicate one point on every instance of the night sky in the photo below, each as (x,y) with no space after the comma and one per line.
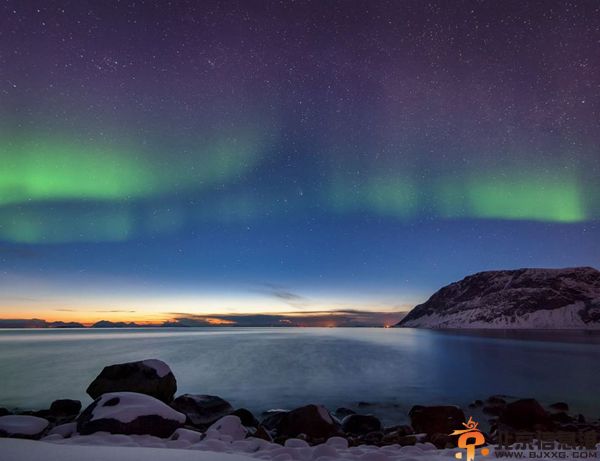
(169,160)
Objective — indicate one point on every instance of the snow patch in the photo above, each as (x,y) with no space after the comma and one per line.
(130,406)
(566,317)
(64,430)
(161,368)
(113,447)
(22,424)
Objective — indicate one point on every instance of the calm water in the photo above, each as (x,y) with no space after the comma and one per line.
(262,368)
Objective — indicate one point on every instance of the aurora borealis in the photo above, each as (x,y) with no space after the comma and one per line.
(265,157)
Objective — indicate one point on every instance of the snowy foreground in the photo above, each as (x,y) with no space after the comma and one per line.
(107,447)
(132,448)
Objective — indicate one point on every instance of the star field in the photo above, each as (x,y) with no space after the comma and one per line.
(361,154)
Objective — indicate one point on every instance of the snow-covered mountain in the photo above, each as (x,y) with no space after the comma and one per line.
(523,298)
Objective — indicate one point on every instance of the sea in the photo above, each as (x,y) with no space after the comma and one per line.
(382,371)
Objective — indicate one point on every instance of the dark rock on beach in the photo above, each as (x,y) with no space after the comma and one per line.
(400,435)
(65,408)
(272,418)
(436,419)
(559,407)
(246,417)
(361,424)
(443,440)
(129,413)
(262,433)
(151,377)
(202,410)
(342,412)
(526,415)
(314,421)
(476,404)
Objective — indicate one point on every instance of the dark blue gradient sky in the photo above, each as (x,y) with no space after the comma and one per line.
(162,159)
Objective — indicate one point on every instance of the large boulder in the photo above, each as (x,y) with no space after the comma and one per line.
(151,377)
(22,426)
(314,421)
(129,413)
(436,419)
(361,424)
(202,410)
(526,415)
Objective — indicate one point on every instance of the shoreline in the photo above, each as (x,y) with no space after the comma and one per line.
(135,404)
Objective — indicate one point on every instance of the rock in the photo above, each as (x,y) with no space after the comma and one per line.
(229,427)
(442,440)
(559,407)
(246,417)
(22,426)
(45,414)
(188,435)
(325,452)
(263,434)
(296,443)
(312,420)
(129,413)
(343,412)
(526,415)
(495,400)
(494,410)
(401,435)
(562,418)
(476,404)
(436,419)
(202,410)
(361,424)
(372,438)
(65,408)
(272,418)
(363,404)
(151,377)
(64,430)
(401,429)
(338,443)
(407,440)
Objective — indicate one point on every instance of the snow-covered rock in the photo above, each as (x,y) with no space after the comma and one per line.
(524,298)
(229,427)
(64,430)
(202,410)
(152,377)
(187,435)
(22,426)
(129,413)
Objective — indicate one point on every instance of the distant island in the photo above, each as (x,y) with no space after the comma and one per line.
(38,323)
(514,299)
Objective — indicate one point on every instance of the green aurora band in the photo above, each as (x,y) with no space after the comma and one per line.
(57,190)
